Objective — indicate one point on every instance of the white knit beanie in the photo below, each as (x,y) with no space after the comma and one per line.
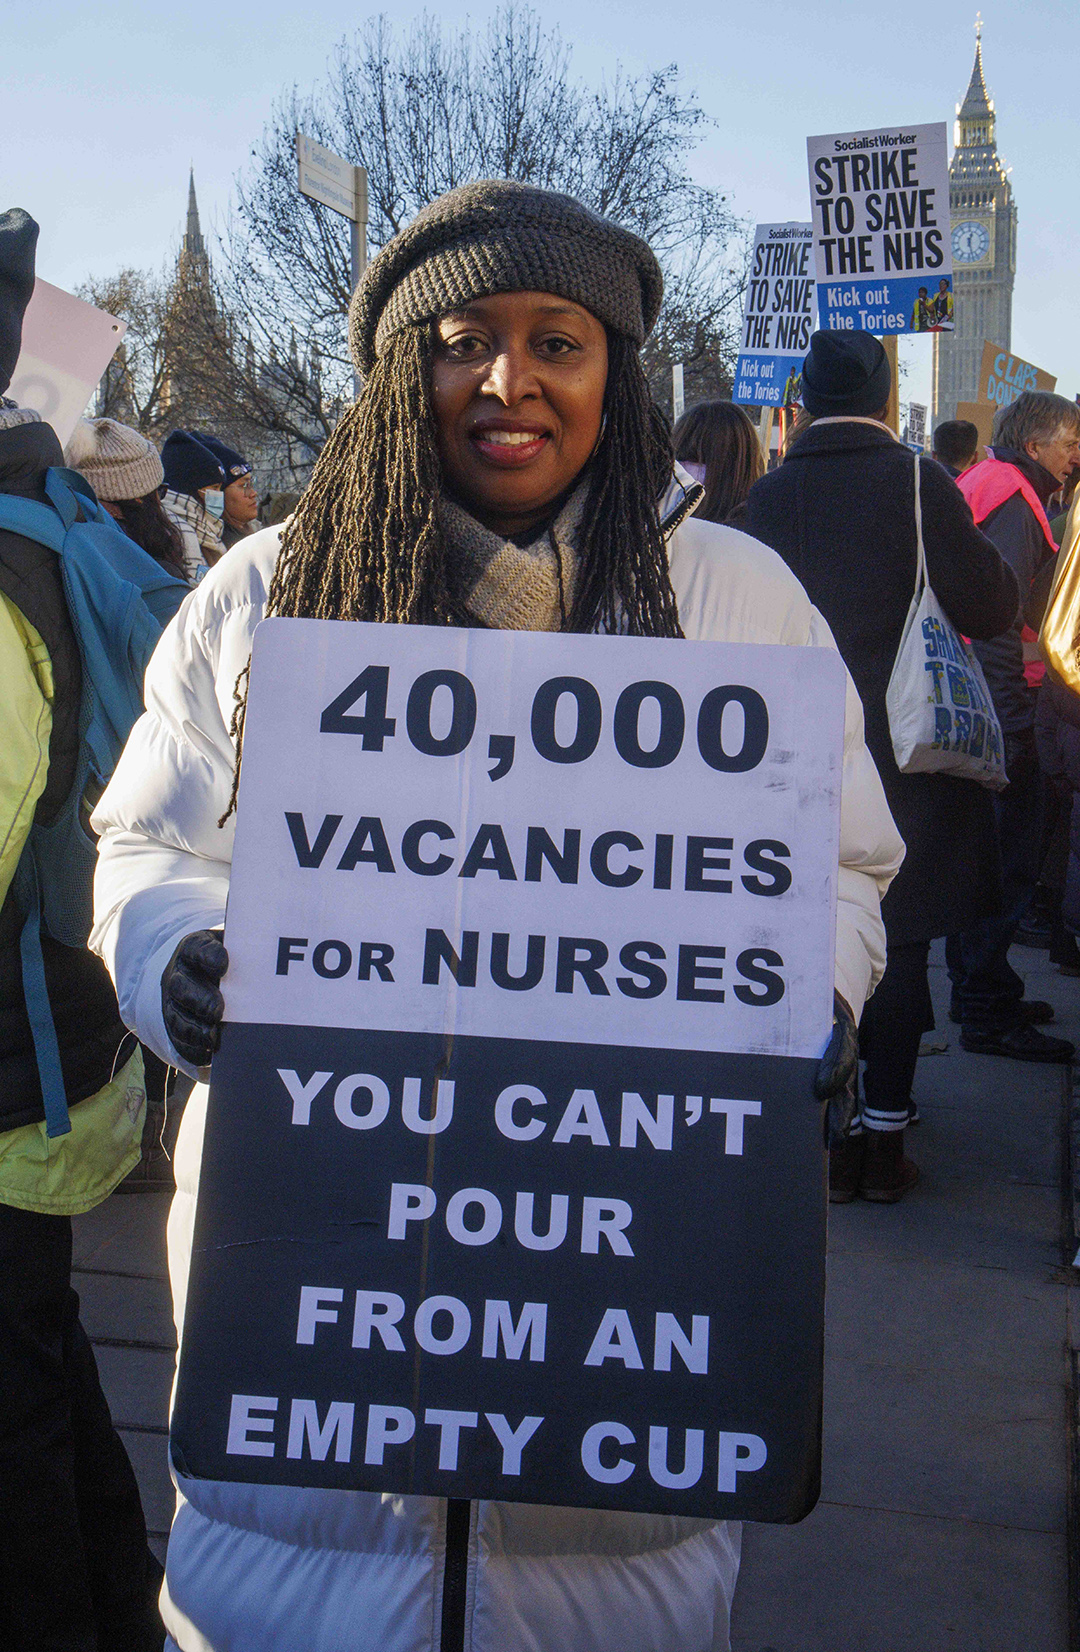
(116,461)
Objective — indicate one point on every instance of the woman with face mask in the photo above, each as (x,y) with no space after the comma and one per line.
(503,467)
(241,515)
(194,499)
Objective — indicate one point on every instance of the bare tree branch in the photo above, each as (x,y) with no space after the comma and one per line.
(432,109)
(262,350)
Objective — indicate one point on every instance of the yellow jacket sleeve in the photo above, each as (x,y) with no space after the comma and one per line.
(26,690)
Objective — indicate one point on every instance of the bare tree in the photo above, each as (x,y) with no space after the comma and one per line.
(432,110)
(186,364)
(136,382)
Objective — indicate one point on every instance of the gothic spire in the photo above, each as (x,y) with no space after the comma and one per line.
(977,102)
(193,241)
(976,123)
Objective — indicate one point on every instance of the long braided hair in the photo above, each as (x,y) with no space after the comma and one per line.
(366,543)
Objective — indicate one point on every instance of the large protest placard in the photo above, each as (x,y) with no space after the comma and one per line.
(981,415)
(779,316)
(66,346)
(1003,377)
(513,1182)
(880,204)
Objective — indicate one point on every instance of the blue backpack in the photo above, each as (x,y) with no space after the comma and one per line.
(119,601)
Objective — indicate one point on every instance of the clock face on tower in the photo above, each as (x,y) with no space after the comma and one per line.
(970,242)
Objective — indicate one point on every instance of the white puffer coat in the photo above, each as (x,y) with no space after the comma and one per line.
(257,1569)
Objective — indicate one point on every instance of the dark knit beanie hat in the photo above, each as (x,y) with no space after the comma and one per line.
(234,464)
(845,373)
(18,243)
(188,465)
(501,237)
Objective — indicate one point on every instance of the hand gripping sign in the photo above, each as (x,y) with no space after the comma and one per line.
(513,1182)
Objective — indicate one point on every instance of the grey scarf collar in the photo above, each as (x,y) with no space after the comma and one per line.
(513,588)
(12,415)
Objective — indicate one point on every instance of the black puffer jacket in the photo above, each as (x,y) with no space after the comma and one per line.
(1015,530)
(88,1025)
(841,513)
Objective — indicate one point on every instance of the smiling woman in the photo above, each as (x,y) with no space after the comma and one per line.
(504,318)
(518,387)
(504,467)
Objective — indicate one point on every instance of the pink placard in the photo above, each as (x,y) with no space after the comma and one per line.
(66,346)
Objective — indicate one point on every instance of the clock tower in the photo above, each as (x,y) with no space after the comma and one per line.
(983,216)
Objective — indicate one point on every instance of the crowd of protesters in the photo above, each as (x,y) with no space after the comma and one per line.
(505,467)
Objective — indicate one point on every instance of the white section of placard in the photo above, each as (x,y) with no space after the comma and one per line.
(601,840)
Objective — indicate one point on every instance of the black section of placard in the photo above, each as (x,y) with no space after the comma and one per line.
(737,1237)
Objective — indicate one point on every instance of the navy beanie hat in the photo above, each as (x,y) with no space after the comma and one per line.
(234,464)
(18,243)
(845,374)
(189,465)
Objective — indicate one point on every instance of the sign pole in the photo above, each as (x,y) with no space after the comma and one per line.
(892,417)
(325,177)
(357,269)
(358,248)
(678,394)
(765,424)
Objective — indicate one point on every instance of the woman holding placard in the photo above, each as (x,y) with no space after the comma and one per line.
(504,467)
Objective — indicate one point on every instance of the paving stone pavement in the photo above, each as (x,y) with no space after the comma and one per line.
(120,1275)
(952,1319)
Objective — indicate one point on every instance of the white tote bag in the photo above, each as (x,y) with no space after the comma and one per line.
(941,717)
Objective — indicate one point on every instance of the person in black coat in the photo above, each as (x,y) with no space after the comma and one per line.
(841,513)
(1035,446)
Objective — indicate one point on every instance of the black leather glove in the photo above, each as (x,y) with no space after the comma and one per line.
(190,1001)
(837,1073)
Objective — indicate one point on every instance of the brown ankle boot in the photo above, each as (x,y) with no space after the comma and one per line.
(845,1170)
(886,1174)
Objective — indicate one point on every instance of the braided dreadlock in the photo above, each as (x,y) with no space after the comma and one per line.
(366,543)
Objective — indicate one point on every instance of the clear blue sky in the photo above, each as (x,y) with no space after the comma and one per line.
(106,106)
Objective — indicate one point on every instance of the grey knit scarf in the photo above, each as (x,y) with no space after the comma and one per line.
(512,587)
(12,415)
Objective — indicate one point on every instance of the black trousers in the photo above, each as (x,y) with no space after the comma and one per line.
(985,987)
(890,1032)
(75,1571)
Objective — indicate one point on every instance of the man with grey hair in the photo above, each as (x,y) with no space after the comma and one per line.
(1036,445)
